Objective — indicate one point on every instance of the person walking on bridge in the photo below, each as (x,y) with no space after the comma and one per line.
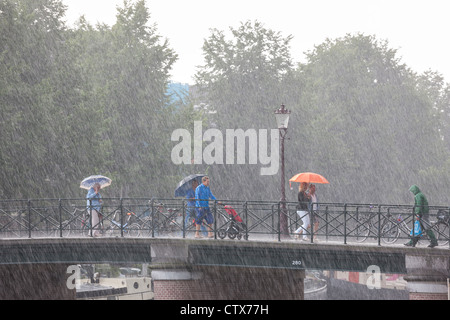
(314,208)
(422,210)
(202,195)
(302,211)
(190,210)
(94,205)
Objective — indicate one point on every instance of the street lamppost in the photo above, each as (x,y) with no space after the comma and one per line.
(282,116)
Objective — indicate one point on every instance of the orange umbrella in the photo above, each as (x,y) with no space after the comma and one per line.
(309,177)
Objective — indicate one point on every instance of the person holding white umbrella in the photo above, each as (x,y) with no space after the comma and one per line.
(94,199)
(94,205)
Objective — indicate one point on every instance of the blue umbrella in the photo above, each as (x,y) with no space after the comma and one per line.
(186,184)
(89,182)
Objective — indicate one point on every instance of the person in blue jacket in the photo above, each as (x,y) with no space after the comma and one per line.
(190,210)
(202,195)
(94,205)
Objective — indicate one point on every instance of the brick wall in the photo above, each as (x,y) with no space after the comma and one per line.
(428,296)
(174,289)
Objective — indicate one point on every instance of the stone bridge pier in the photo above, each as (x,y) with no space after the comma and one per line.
(205,272)
(228,283)
(428,275)
(277,271)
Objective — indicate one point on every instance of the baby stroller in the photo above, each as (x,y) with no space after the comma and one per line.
(236,227)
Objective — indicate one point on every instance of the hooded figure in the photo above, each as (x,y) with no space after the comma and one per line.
(422,210)
(420,203)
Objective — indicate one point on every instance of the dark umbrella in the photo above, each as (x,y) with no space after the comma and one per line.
(186,184)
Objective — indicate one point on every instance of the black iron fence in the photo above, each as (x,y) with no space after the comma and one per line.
(377,224)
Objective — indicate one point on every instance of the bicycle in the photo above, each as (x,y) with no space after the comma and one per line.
(76,222)
(389,228)
(162,221)
(442,226)
(365,226)
(393,229)
(129,229)
(86,228)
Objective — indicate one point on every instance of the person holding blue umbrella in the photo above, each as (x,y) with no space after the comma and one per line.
(190,210)
(185,185)
(186,188)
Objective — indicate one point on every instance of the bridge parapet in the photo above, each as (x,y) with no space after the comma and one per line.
(378,224)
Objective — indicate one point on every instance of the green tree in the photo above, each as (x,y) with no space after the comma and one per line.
(437,177)
(32,44)
(383,124)
(75,102)
(127,67)
(243,79)
(433,86)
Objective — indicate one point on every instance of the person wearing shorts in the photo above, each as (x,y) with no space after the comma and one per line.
(202,195)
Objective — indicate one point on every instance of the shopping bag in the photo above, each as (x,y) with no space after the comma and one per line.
(417,229)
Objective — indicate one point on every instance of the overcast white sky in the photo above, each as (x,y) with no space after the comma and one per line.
(418,29)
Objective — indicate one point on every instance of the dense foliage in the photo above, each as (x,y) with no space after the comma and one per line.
(94,100)
(359,116)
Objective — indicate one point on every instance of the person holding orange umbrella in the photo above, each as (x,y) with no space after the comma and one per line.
(306,178)
(302,210)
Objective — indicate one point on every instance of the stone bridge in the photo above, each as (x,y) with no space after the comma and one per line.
(213,269)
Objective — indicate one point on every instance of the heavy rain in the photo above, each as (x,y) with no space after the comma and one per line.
(87,98)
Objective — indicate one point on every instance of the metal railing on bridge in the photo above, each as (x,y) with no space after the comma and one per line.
(377,224)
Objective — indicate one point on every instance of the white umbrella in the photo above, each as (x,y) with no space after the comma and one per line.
(89,182)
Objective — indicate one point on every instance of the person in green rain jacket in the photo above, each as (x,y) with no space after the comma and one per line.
(422,210)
